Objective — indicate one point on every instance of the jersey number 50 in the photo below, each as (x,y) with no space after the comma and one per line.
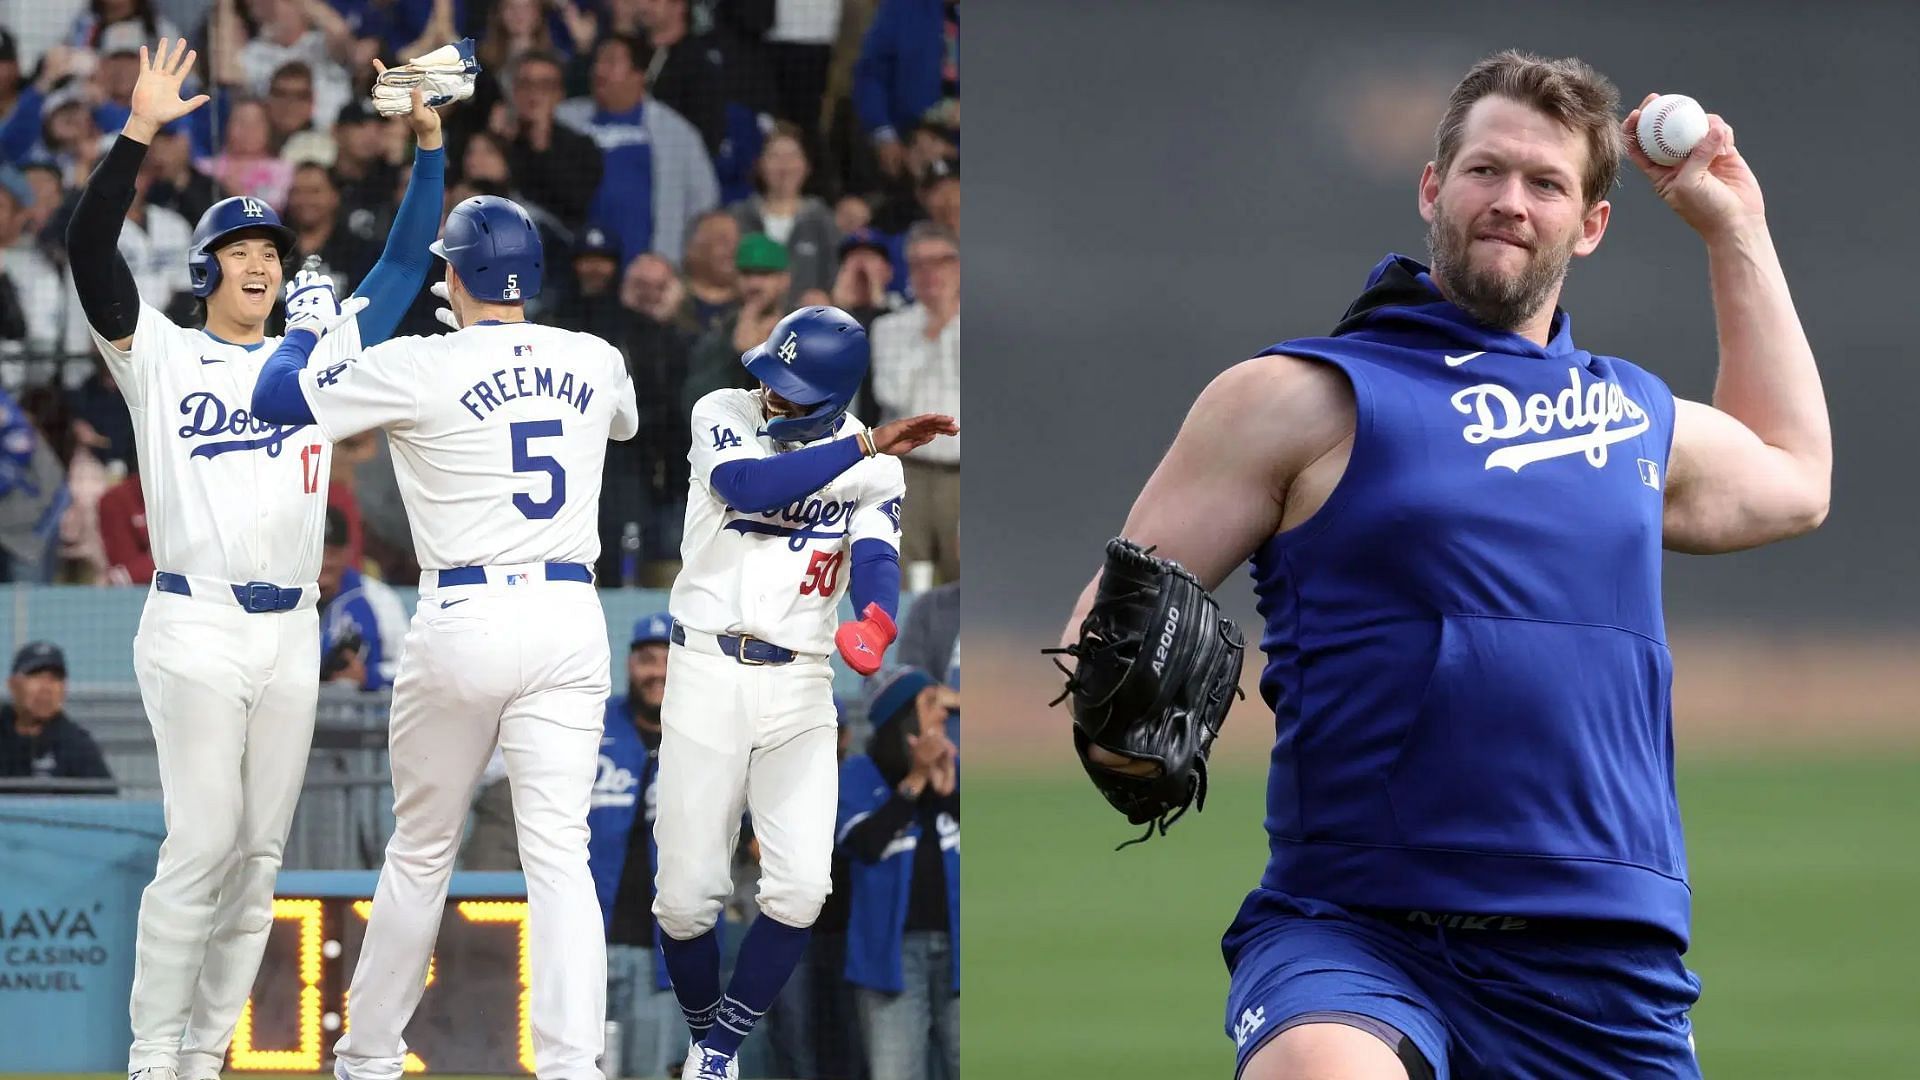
(523,433)
(822,574)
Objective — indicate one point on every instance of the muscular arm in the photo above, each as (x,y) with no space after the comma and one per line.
(1756,465)
(1221,490)
(757,485)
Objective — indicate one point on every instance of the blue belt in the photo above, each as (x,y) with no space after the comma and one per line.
(747,650)
(477,575)
(255,597)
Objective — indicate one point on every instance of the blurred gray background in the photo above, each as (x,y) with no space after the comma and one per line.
(1158,190)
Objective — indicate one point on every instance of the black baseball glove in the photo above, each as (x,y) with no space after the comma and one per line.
(1158,668)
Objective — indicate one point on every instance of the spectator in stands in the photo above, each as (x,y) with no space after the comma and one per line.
(593,305)
(51,311)
(515,28)
(10,77)
(108,23)
(799,49)
(342,490)
(899,822)
(37,739)
(916,369)
(557,168)
(101,420)
(174,183)
(484,161)
(623,855)
(715,79)
(864,286)
(363,624)
(362,171)
(154,242)
(15,199)
(657,355)
(79,555)
(653,288)
(247,162)
(288,32)
(313,213)
(909,60)
(930,632)
(30,132)
(802,223)
(33,496)
(49,191)
(940,193)
(764,283)
(290,104)
(657,174)
(123,530)
(713,275)
(402,29)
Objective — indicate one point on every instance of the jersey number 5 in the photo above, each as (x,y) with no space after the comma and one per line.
(523,433)
(823,573)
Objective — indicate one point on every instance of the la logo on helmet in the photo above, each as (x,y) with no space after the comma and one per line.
(253,208)
(789,348)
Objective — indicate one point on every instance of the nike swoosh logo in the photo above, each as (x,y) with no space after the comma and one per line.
(445,604)
(1456,361)
(220,360)
(1592,443)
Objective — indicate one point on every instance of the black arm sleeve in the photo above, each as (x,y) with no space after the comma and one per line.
(867,840)
(100,275)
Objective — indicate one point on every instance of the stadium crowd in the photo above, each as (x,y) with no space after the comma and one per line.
(698,169)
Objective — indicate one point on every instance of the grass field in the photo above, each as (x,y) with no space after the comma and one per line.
(1082,961)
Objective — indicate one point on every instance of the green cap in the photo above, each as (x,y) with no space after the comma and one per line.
(761,254)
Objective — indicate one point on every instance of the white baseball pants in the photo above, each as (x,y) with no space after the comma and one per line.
(231,698)
(736,736)
(524,665)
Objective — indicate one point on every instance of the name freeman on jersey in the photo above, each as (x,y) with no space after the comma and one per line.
(810,519)
(494,394)
(208,415)
(1499,414)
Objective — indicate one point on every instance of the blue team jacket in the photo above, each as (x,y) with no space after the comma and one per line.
(877,915)
(623,799)
(1466,652)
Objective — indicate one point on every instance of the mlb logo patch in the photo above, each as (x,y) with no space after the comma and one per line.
(523,350)
(1650,474)
(518,579)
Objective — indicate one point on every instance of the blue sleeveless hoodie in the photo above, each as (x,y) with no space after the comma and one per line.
(1466,656)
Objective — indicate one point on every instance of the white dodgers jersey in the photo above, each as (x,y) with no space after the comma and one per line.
(499,435)
(778,575)
(228,497)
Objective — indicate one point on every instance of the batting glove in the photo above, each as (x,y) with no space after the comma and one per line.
(862,644)
(445,314)
(312,306)
(442,76)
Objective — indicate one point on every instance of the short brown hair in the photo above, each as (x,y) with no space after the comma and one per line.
(1569,90)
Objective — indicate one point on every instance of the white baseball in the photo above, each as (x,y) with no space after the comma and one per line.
(1670,126)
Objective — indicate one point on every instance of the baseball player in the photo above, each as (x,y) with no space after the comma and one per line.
(225,653)
(499,432)
(789,497)
(1455,517)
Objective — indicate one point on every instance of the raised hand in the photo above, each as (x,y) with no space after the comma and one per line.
(1713,190)
(901,437)
(156,95)
(424,121)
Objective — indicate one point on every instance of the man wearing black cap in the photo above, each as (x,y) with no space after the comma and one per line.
(36,737)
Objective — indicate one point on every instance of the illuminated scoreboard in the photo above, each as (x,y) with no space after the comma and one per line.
(473,1017)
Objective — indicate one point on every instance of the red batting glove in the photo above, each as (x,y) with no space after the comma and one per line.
(863,643)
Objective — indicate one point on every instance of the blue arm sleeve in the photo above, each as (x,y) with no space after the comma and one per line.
(22,128)
(396,279)
(758,485)
(276,394)
(876,577)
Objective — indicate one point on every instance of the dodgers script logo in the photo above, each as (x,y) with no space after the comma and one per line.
(1592,415)
(207,415)
(801,521)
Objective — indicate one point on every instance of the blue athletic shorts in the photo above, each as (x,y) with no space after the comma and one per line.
(1482,999)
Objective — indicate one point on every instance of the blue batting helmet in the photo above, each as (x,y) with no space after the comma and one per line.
(815,357)
(223,223)
(495,248)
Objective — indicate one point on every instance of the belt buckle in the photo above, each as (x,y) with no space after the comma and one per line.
(740,654)
(262,596)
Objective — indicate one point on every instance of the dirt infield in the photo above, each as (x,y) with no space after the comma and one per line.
(1734,692)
